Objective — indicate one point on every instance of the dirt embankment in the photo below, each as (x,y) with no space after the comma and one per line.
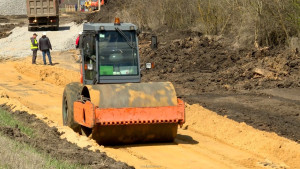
(108,12)
(50,74)
(5,30)
(198,64)
(241,135)
(48,141)
(8,23)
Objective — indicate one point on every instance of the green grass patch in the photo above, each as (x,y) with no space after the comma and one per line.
(53,163)
(16,154)
(7,119)
(5,166)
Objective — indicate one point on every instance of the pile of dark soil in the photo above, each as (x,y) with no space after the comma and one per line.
(77,17)
(8,23)
(4,20)
(108,12)
(48,141)
(68,2)
(197,64)
(5,30)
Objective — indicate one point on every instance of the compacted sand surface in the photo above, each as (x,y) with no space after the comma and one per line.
(207,140)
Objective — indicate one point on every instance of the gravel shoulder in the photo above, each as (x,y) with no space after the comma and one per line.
(18,43)
(13,7)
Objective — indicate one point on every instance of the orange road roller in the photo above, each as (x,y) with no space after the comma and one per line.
(110,104)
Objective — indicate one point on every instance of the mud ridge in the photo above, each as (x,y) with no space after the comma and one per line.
(48,141)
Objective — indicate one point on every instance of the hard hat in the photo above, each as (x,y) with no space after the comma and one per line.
(80,33)
(44,33)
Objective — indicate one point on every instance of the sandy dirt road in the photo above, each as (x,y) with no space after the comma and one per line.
(207,140)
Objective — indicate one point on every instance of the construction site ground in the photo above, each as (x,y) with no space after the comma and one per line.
(238,114)
(207,139)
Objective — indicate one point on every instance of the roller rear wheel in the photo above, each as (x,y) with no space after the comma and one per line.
(70,95)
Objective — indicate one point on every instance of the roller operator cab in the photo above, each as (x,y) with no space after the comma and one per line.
(110,53)
(110,103)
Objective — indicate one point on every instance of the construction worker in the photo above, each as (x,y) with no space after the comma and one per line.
(76,7)
(77,40)
(34,47)
(45,46)
(77,44)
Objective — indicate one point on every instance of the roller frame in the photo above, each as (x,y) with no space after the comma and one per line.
(89,115)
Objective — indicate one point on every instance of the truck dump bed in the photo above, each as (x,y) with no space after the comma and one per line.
(43,14)
(42,8)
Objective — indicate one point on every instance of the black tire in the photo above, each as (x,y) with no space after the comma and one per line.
(29,29)
(71,93)
(57,25)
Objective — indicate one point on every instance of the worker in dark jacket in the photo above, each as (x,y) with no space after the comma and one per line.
(45,46)
(34,47)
